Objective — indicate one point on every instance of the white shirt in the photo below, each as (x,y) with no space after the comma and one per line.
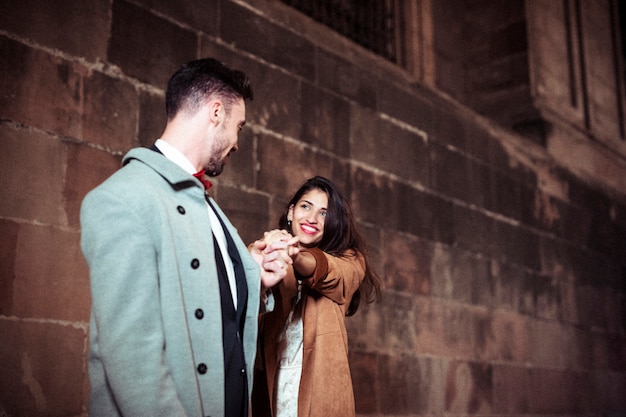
(181,160)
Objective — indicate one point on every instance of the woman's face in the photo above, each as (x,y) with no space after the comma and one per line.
(307,217)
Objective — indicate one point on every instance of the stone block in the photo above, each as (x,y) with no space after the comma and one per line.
(201,15)
(32,167)
(320,111)
(9,231)
(87,167)
(444,329)
(400,385)
(547,297)
(396,326)
(152,118)
(414,106)
(147,47)
(365,380)
(469,388)
(40,90)
(43,368)
(407,263)
(513,288)
(284,166)
(248,212)
(552,391)
(547,339)
(344,78)
(516,245)
(255,34)
(510,389)
(51,275)
(277,103)
(387,146)
(473,230)
(506,196)
(423,214)
(60,25)
(240,169)
(460,276)
(503,337)
(111,108)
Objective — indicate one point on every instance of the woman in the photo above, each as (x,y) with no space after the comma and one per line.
(303,341)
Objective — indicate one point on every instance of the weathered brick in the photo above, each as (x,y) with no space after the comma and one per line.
(248,212)
(415,106)
(39,90)
(241,168)
(86,168)
(273,43)
(503,337)
(407,263)
(457,275)
(365,380)
(152,118)
(338,75)
(49,271)
(57,24)
(423,214)
(444,329)
(547,297)
(110,112)
(319,111)
(513,288)
(469,388)
(405,152)
(277,100)
(148,47)
(401,380)
(552,391)
(8,253)
(24,154)
(45,375)
(201,15)
(279,160)
(506,196)
(510,389)
(546,340)
(473,230)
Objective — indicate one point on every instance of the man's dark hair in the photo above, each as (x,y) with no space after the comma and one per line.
(198,80)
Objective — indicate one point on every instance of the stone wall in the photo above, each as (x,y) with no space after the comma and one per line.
(503,256)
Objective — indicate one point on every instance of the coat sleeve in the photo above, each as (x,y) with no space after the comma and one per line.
(126,310)
(337,277)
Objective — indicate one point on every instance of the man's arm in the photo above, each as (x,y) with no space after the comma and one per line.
(126,307)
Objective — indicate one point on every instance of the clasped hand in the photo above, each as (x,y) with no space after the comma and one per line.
(274,252)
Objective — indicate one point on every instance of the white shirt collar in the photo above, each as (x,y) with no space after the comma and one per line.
(175,156)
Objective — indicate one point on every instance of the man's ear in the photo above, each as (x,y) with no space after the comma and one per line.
(216,111)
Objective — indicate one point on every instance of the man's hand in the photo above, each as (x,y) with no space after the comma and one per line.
(274,253)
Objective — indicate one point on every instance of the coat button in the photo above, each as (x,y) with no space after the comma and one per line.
(202,368)
(195,263)
(199,314)
(181,209)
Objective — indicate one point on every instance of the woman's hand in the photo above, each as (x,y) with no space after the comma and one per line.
(273,253)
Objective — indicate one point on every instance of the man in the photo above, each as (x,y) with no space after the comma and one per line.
(175,292)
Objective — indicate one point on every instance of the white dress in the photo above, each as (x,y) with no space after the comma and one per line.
(290,362)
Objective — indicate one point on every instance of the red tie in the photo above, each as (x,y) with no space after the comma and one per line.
(203,179)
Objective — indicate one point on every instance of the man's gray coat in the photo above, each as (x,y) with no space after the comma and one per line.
(156,317)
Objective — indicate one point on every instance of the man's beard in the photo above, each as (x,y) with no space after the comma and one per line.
(214,168)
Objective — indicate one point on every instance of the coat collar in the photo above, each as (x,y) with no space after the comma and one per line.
(171,172)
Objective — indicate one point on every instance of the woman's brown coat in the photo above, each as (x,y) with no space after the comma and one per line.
(326,385)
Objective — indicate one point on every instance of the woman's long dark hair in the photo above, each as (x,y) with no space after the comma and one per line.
(340,235)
